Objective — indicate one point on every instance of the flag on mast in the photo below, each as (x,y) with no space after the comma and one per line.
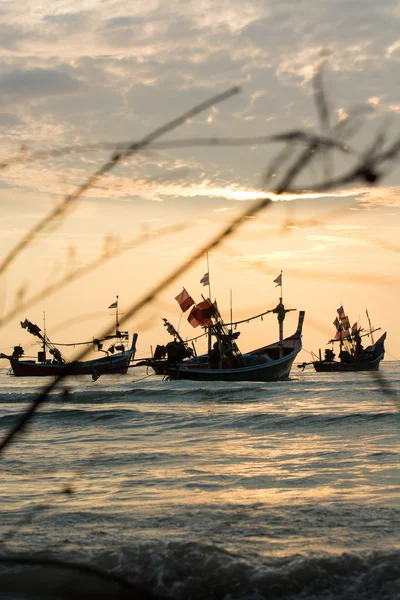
(185,300)
(114,304)
(205,280)
(341,312)
(278,280)
(201,314)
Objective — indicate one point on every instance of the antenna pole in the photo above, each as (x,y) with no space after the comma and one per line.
(116,316)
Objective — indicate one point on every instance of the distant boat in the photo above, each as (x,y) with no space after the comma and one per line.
(51,362)
(224,361)
(352,354)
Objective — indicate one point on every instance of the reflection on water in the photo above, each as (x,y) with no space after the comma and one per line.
(263,471)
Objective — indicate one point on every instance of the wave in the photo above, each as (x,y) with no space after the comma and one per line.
(182,570)
(252,421)
(80,391)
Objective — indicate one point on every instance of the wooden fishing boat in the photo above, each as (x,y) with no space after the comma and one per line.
(110,364)
(224,361)
(352,354)
(51,362)
(269,363)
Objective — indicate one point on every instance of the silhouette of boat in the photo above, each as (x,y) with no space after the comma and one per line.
(224,361)
(51,362)
(352,354)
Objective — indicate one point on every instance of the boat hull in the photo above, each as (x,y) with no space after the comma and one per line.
(370,361)
(274,371)
(269,363)
(108,365)
(331,367)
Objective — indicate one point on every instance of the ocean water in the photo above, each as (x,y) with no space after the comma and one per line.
(284,490)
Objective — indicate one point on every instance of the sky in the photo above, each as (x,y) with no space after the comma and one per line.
(93,74)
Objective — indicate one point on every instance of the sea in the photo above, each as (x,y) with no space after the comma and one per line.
(135,487)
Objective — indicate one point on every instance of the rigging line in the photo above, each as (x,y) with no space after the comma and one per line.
(196,338)
(142,378)
(392,356)
(251,318)
(308,352)
(76,344)
(107,339)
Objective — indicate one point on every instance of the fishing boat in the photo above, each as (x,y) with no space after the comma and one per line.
(224,361)
(51,362)
(352,354)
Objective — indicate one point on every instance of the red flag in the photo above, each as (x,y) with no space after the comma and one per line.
(192,318)
(343,334)
(184,300)
(345,322)
(201,314)
(341,312)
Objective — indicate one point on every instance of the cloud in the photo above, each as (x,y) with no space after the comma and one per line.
(9,120)
(94,74)
(381,197)
(37,83)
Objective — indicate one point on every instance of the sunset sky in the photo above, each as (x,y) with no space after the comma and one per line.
(89,72)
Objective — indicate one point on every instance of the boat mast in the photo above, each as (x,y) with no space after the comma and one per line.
(281,311)
(116,316)
(370,326)
(231,311)
(280,321)
(44,337)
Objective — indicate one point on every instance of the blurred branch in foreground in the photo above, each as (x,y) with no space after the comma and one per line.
(368,170)
(69,202)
